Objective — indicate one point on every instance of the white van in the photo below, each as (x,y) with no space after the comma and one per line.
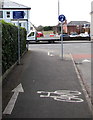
(31,36)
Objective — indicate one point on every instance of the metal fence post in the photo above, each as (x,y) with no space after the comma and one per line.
(18,43)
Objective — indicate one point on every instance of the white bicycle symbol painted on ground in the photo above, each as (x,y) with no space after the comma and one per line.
(62,95)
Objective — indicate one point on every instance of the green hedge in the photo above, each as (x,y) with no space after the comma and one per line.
(10,44)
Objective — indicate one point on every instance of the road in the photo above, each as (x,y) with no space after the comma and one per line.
(50,87)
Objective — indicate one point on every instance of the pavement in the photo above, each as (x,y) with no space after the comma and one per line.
(84,69)
(51,88)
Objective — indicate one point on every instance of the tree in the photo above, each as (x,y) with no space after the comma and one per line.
(40,28)
(47,28)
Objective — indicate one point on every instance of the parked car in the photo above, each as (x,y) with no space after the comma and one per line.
(73,35)
(84,35)
(64,35)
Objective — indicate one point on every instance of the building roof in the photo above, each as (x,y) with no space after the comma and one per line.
(78,23)
(7,4)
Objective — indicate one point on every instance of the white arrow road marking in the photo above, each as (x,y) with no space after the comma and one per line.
(86,60)
(10,106)
(50,53)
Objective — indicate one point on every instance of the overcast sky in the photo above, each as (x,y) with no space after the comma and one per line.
(45,12)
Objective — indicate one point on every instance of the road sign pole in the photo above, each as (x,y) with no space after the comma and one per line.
(62,18)
(62,40)
(18,43)
(18,15)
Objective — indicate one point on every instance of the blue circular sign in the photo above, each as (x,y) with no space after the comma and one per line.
(62,18)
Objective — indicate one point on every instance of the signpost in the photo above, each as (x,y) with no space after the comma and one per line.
(62,18)
(18,15)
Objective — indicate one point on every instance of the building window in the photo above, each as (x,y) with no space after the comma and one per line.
(8,14)
(24,24)
(1,14)
(20,24)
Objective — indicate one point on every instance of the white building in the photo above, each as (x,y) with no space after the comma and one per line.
(91,27)
(10,11)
